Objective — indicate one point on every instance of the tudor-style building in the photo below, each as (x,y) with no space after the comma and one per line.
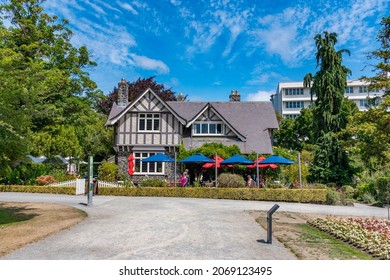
(149,125)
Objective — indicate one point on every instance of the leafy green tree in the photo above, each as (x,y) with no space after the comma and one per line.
(330,162)
(328,84)
(104,105)
(368,135)
(287,135)
(209,150)
(45,88)
(382,78)
(57,140)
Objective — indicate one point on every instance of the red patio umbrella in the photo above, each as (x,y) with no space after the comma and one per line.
(131,163)
(259,160)
(218,159)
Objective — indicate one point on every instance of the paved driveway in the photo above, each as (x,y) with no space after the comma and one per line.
(153,228)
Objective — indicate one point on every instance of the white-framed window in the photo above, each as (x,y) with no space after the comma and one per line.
(147,167)
(291,116)
(369,102)
(208,128)
(349,90)
(295,104)
(149,122)
(363,89)
(363,102)
(294,91)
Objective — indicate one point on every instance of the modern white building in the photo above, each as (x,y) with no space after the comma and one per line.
(291,97)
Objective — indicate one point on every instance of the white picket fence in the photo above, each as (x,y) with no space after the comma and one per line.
(109,184)
(79,184)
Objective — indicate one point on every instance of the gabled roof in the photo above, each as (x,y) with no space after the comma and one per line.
(250,120)
(193,110)
(118,111)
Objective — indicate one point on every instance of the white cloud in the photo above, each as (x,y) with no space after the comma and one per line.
(97,8)
(175,2)
(149,63)
(290,32)
(218,18)
(128,7)
(261,95)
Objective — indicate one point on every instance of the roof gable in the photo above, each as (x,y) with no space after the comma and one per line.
(138,104)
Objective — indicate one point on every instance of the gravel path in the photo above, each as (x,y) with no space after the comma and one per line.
(154,228)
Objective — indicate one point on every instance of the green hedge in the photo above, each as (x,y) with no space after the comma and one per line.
(288,195)
(38,189)
(264,194)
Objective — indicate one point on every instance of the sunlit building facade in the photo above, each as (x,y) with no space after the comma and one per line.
(291,97)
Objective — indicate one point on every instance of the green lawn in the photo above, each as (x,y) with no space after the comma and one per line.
(334,248)
(13,215)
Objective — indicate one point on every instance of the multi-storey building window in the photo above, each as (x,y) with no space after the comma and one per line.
(363,89)
(149,122)
(147,167)
(291,116)
(349,90)
(294,91)
(208,128)
(363,102)
(295,104)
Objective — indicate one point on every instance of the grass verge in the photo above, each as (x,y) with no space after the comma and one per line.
(25,223)
(307,242)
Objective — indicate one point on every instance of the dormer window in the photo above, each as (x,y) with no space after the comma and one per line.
(149,122)
(208,128)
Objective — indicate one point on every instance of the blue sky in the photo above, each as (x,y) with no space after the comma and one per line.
(205,49)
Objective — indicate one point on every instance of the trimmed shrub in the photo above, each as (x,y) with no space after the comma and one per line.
(226,180)
(153,183)
(257,194)
(38,189)
(274,186)
(263,194)
(332,197)
(348,191)
(108,171)
(44,180)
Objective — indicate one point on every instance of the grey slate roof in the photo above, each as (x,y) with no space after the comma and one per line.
(250,119)
(115,111)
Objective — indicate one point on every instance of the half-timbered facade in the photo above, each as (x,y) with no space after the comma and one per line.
(149,125)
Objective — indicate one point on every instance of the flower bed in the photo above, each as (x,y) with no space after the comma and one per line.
(369,234)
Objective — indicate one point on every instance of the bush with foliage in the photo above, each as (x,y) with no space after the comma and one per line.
(375,187)
(348,191)
(24,173)
(44,180)
(226,180)
(39,189)
(332,197)
(108,171)
(153,183)
(257,194)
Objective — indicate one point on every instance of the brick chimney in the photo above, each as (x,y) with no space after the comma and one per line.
(234,96)
(122,93)
(180,97)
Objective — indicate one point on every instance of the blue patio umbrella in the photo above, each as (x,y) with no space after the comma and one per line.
(158,158)
(237,159)
(197,158)
(161,158)
(275,159)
